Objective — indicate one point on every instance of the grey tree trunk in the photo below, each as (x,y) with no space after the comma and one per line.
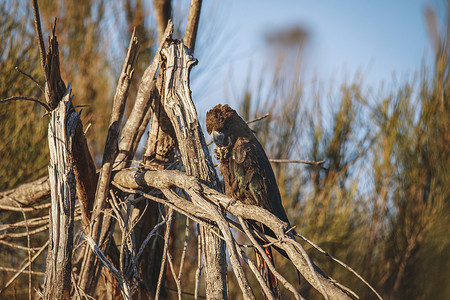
(63,188)
(194,154)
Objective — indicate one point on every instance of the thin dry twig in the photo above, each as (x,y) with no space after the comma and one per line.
(258,119)
(37,24)
(268,293)
(24,267)
(192,25)
(36,273)
(318,248)
(198,272)
(298,161)
(177,281)
(30,77)
(29,252)
(26,98)
(166,247)
(269,263)
(183,254)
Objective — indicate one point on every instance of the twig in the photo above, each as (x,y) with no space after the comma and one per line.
(198,272)
(269,263)
(172,270)
(190,34)
(183,255)
(27,209)
(166,246)
(147,239)
(37,273)
(15,98)
(30,77)
(22,234)
(268,293)
(30,223)
(102,257)
(298,161)
(29,252)
(24,267)
(18,246)
(258,119)
(37,24)
(318,248)
(184,293)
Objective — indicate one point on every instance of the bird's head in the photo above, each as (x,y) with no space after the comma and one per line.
(225,125)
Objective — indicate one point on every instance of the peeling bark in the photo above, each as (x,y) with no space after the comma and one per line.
(63,187)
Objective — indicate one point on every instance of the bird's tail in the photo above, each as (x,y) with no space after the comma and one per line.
(268,276)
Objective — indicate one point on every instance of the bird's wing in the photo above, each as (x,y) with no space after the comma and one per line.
(254,177)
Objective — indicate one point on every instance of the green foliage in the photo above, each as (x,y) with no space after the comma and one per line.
(382,204)
(23,133)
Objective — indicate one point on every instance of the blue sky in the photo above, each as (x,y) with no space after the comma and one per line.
(376,38)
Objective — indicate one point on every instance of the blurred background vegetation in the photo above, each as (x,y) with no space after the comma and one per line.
(382,201)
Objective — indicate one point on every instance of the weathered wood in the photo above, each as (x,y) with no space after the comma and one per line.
(26,194)
(63,187)
(190,35)
(165,180)
(89,271)
(140,114)
(195,156)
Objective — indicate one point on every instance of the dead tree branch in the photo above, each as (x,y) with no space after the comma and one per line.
(190,35)
(63,186)
(196,159)
(26,194)
(167,180)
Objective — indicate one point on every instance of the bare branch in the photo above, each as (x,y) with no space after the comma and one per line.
(198,272)
(24,267)
(166,247)
(258,119)
(139,116)
(269,263)
(37,25)
(30,77)
(15,98)
(190,35)
(198,192)
(297,161)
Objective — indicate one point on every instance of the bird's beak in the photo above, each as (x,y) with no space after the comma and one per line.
(218,138)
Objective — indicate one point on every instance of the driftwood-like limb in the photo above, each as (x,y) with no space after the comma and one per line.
(85,173)
(196,160)
(190,35)
(181,111)
(165,180)
(140,115)
(110,151)
(63,188)
(87,276)
(26,194)
(54,85)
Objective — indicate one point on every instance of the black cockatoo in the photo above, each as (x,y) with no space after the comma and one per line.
(246,171)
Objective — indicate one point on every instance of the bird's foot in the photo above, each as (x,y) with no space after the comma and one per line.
(221,153)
